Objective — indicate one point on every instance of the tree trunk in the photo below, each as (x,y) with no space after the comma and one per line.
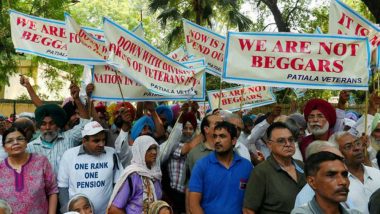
(278,18)
(374,7)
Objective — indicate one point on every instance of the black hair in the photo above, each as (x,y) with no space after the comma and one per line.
(205,122)
(227,126)
(314,161)
(277,125)
(10,130)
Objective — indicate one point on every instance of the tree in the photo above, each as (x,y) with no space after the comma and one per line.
(202,12)
(374,8)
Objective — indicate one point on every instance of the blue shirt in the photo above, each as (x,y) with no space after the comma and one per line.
(222,189)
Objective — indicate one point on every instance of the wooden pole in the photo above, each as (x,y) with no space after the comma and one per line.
(220,92)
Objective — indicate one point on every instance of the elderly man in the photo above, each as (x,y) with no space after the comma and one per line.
(321,117)
(222,168)
(364,180)
(328,176)
(53,142)
(275,183)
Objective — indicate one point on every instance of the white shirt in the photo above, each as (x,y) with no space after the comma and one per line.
(242,151)
(254,139)
(361,192)
(91,175)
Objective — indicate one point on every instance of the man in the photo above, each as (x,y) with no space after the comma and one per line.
(90,169)
(307,193)
(364,180)
(119,138)
(202,149)
(374,205)
(53,142)
(321,117)
(236,120)
(328,177)
(248,126)
(218,181)
(27,126)
(175,166)
(275,183)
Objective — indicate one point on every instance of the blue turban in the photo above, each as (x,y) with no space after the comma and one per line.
(139,125)
(167,111)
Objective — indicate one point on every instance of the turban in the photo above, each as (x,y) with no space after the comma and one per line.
(139,125)
(100,107)
(247,120)
(128,106)
(167,111)
(52,110)
(323,106)
(176,108)
(189,117)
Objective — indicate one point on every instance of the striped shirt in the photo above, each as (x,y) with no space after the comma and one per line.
(64,141)
(176,168)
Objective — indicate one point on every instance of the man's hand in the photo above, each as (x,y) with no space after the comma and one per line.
(74,91)
(344,96)
(150,106)
(276,111)
(24,81)
(89,89)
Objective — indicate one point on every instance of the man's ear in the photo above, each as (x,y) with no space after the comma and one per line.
(311,181)
(234,141)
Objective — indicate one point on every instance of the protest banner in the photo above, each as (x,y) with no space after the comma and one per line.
(300,92)
(146,65)
(180,55)
(203,107)
(297,60)
(344,20)
(202,42)
(106,83)
(240,98)
(38,36)
(85,47)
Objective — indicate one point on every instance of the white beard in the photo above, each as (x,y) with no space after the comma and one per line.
(318,131)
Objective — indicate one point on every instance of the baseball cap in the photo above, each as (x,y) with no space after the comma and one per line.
(92,128)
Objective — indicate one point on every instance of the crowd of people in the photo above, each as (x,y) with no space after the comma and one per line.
(165,159)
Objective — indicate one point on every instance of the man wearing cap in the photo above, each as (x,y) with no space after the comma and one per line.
(53,142)
(91,169)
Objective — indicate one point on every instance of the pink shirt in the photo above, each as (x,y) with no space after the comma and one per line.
(27,192)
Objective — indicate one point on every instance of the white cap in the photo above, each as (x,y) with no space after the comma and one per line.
(92,128)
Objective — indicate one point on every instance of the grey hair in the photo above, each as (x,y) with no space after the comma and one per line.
(317,146)
(334,138)
(75,198)
(4,205)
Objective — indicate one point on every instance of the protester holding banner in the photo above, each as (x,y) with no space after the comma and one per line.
(176,163)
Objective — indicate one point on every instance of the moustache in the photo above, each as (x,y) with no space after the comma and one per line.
(315,124)
(342,189)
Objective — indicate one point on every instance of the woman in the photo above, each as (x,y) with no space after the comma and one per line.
(81,204)
(27,180)
(139,186)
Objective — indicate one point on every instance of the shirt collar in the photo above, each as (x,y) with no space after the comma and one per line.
(235,159)
(314,206)
(82,151)
(274,163)
(365,176)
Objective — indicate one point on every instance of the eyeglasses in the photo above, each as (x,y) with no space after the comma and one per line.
(283,141)
(318,117)
(12,141)
(349,146)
